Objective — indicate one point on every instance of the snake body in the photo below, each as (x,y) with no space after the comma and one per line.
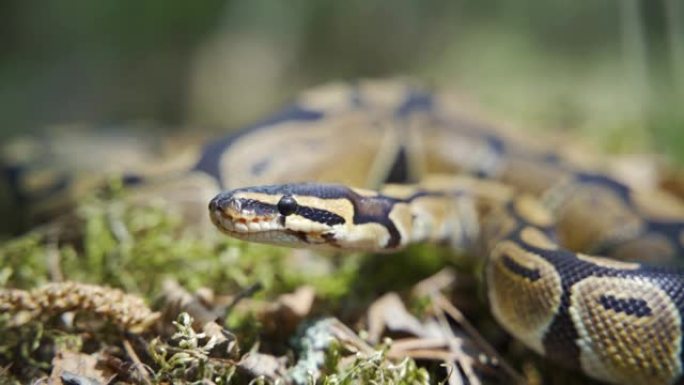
(531,213)
(430,172)
(618,321)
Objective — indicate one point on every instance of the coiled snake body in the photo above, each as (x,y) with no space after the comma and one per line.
(532,214)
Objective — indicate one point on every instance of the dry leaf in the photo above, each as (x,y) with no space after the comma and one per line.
(285,314)
(389,312)
(78,368)
(263,365)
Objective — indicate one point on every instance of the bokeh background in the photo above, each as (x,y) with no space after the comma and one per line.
(612,69)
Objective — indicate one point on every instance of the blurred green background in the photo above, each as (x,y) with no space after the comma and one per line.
(611,71)
(614,68)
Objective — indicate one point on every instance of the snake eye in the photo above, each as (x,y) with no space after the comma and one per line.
(287,205)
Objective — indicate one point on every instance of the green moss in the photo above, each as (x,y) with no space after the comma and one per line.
(136,247)
(31,347)
(188,359)
(377,369)
(23,261)
(320,354)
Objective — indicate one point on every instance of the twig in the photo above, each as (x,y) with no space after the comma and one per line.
(456,314)
(248,292)
(137,364)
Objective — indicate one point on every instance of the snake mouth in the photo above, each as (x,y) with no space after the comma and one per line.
(243,219)
(271,218)
(242,225)
(262,230)
(240,216)
(233,217)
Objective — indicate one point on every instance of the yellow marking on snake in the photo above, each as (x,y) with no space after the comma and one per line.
(579,226)
(629,330)
(402,218)
(308,147)
(365,192)
(658,206)
(653,248)
(535,238)
(607,262)
(533,212)
(497,227)
(524,292)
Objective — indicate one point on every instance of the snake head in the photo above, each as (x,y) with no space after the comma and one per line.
(294,215)
(326,216)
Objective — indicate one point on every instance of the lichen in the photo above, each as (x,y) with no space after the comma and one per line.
(188,358)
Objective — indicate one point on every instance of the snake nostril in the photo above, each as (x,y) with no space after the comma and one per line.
(213,204)
(222,203)
(218,203)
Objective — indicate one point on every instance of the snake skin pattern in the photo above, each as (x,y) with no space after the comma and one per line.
(538,214)
(535,215)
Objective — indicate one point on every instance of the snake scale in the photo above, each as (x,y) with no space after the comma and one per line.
(531,213)
(537,215)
